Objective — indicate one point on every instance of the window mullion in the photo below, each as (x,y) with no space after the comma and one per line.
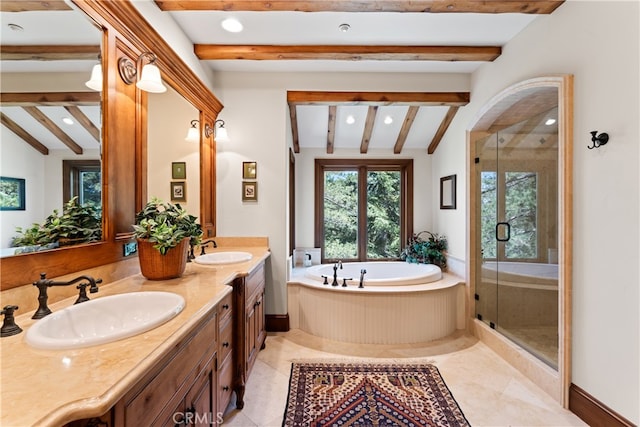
(362,213)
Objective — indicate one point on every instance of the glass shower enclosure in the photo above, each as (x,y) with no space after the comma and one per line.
(516,176)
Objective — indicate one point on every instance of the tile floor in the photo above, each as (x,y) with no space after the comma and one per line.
(489,391)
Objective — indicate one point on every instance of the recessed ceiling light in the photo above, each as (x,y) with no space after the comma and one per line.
(15,27)
(388,120)
(344,27)
(67,120)
(350,119)
(232,25)
(549,122)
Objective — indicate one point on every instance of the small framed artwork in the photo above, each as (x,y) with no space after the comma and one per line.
(178,191)
(12,195)
(249,170)
(249,191)
(178,170)
(448,192)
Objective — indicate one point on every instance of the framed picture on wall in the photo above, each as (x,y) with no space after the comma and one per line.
(448,192)
(178,170)
(249,170)
(178,191)
(12,195)
(249,191)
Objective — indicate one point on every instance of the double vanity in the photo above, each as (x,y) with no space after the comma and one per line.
(178,370)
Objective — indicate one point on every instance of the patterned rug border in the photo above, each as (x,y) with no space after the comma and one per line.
(365,361)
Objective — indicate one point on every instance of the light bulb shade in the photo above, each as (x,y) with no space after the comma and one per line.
(221,134)
(150,80)
(193,135)
(95,82)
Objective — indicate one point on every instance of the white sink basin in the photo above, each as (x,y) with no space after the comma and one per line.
(228,257)
(104,320)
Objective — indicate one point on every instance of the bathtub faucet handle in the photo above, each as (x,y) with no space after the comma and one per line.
(344,281)
(325,280)
(362,273)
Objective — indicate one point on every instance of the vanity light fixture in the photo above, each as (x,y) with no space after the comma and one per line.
(95,82)
(220,131)
(150,79)
(193,135)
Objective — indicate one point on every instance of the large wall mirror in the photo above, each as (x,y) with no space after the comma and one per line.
(51,135)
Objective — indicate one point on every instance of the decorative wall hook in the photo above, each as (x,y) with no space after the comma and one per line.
(598,140)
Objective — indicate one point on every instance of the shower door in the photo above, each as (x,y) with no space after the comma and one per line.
(517,209)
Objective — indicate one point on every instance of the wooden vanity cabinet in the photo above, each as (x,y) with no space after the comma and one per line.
(181,388)
(225,353)
(250,331)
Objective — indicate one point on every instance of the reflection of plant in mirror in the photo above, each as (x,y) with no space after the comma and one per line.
(166,224)
(429,251)
(77,224)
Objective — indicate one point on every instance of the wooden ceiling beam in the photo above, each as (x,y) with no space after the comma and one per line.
(406,127)
(331,131)
(23,134)
(31,99)
(444,125)
(32,6)
(293,115)
(54,129)
(378,98)
(433,6)
(84,121)
(368,128)
(49,52)
(346,52)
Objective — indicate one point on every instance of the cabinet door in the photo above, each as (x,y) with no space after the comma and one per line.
(250,328)
(261,332)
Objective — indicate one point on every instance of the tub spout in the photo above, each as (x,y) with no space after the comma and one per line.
(362,273)
(335,275)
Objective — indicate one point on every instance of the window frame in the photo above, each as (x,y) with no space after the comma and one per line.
(404,166)
(71,170)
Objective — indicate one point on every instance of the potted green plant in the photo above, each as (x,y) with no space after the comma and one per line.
(164,232)
(426,247)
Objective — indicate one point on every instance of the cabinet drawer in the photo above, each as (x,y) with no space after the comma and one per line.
(255,282)
(225,385)
(225,308)
(226,340)
(174,377)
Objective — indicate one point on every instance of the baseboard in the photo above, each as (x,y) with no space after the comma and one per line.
(277,322)
(592,411)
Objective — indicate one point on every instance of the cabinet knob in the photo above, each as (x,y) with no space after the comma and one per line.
(225,306)
(225,388)
(225,344)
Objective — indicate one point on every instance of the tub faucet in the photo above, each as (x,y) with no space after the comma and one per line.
(45,283)
(205,244)
(362,273)
(335,275)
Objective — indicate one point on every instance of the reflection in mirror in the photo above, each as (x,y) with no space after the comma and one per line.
(173,164)
(49,115)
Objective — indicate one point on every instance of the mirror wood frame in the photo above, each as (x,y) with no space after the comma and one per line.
(503,110)
(126,33)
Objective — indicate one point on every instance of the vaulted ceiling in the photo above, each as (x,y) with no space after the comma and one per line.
(441,36)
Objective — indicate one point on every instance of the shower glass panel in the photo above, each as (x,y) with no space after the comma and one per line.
(518,211)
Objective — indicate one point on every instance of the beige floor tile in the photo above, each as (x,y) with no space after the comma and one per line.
(489,391)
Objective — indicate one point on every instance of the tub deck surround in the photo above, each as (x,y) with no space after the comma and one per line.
(95,378)
(377,314)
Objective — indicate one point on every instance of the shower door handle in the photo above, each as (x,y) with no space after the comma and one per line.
(508,232)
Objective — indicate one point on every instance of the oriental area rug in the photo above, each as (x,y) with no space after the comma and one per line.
(369,394)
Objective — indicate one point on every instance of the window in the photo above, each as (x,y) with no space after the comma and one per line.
(82,178)
(364,208)
(512,197)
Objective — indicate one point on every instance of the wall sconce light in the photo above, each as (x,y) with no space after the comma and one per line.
(220,131)
(150,79)
(95,82)
(598,140)
(193,135)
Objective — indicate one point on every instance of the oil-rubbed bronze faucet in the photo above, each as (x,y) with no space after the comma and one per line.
(205,244)
(45,283)
(9,326)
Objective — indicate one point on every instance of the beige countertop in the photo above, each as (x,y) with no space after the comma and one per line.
(52,387)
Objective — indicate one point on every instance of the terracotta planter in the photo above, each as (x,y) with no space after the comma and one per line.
(155,266)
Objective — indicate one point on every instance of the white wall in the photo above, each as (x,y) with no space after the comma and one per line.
(169,117)
(257,119)
(597,42)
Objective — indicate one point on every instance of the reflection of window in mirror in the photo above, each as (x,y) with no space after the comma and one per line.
(82,178)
